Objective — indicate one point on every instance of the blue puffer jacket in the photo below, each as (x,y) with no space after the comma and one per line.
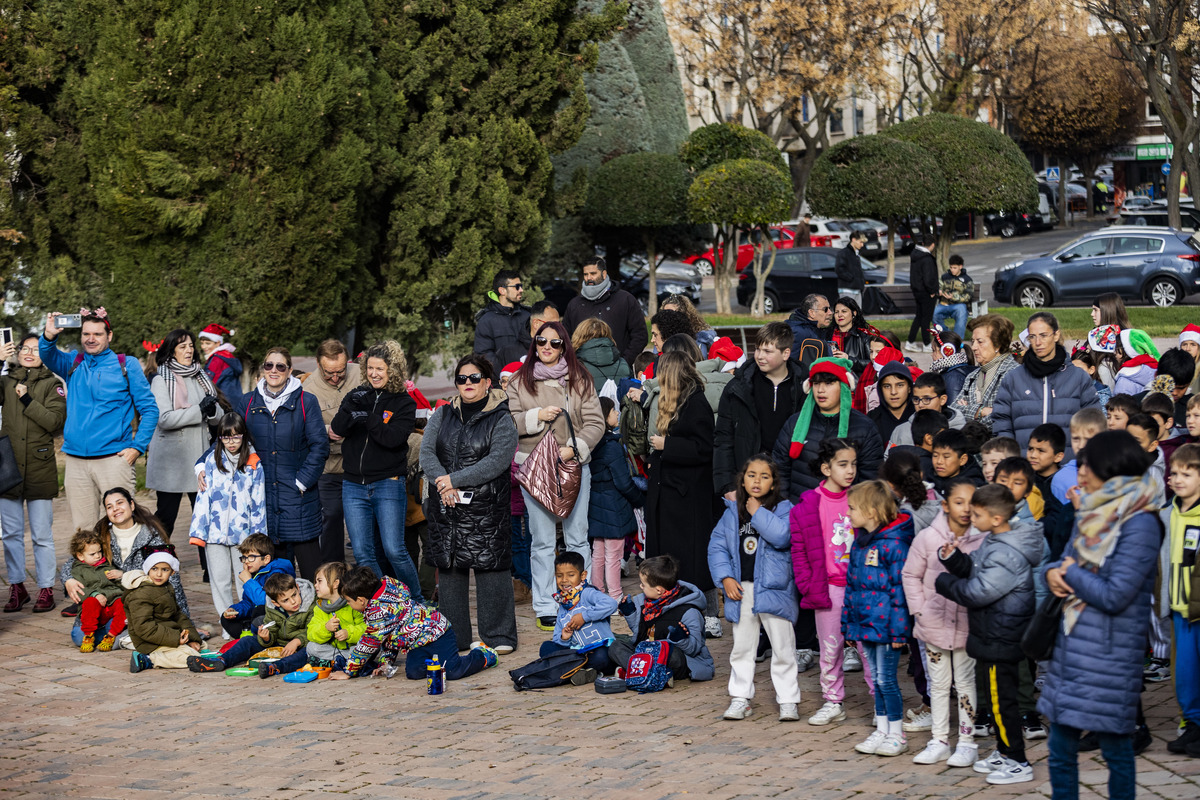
(101,401)
(614,495)
(293,446)
(1095,675)
(691,601)
(225,369)
(875,610)
(1024,402)
(774,585)
(253,593)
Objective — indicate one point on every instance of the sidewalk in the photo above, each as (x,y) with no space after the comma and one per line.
(80,726)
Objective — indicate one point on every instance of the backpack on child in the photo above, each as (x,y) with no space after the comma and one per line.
(548,672)
(647,670)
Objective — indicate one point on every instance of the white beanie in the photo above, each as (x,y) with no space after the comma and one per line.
(160,558)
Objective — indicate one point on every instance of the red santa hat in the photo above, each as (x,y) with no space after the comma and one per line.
(725,349)
(1191,333)
(424,410)
(510,369)
(216,333)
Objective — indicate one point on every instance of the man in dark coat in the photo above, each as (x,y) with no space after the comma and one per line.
(601,299)
(811,324)
(804,232)
(923,281)
(502,327)
(849,268)
(763,394)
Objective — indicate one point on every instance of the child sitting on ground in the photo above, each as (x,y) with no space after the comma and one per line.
(334,627)
(670,609)
(258,564)
(995,584)
(994,451)
(748,558)
(395,625)
(101,592)
(162,635)
(582,621)
(284,625)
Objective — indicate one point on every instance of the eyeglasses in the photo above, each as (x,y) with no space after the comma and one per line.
(924,401)
(474,377)
(273,366)
(29,351)
(541,341)
(334,373)
(236,438)
(251,557)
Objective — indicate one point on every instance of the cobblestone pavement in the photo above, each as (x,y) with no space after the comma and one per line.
(79,725)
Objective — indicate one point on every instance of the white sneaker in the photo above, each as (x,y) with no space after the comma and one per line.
(712,628)
(805,660)
(850,660)
(739,708)
(918,721)
(990,764)
(913,347)
(964,756)
(934,752)
(830,712)
(789,712)
(1011,772)
(893,745)
(871,743)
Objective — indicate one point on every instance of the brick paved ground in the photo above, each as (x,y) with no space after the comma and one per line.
(81,726)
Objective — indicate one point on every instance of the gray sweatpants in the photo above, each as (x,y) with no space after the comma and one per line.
(494,598)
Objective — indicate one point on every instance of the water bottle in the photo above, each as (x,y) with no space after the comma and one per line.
(435,676)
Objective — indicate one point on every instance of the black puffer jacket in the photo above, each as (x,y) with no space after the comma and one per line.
(477,456)
(502,333)
(995,585)
(376,424)
(797,476)
(737,436)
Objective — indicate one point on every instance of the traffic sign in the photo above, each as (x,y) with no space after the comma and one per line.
(1166,168)
(1052,174)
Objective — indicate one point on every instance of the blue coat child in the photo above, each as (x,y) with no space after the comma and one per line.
(614,494)
(594,636)
(875,610)
(774,583)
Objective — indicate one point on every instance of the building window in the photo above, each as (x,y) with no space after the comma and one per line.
(858,121)
(835,121)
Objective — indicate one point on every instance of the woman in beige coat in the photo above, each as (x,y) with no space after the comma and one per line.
(550,383)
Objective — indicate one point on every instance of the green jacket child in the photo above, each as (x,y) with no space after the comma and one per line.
(288,625)
(352,623)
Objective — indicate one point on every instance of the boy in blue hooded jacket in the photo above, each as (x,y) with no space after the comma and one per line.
(582,621)
(259,563)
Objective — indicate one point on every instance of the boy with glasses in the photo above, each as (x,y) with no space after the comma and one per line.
(259,563)
(929,394)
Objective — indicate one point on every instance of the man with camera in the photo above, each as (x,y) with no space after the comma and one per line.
(103,391)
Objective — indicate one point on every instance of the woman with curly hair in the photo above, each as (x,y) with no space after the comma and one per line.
(702,332)
(374,422)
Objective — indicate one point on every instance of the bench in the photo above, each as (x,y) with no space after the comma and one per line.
(901,295)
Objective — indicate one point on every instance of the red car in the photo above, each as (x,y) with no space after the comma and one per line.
(783,238)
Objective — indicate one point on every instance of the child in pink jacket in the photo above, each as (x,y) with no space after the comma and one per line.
(941,627)
(821,539)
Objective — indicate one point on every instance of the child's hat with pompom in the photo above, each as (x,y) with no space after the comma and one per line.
(840,368)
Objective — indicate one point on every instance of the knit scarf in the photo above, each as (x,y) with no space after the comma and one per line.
(551,372)
(653,609)
(1043,369)
(987,374)
(177,389)
(568,598)
(597,291)
(1099,521)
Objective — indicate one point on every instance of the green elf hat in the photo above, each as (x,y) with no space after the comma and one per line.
(1138,343)
(840,368)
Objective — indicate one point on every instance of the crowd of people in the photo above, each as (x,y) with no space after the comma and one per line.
(839,506)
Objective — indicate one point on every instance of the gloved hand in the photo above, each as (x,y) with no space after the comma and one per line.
(209,406)
(677,633)
(626,606)
(358,397)
(358,416)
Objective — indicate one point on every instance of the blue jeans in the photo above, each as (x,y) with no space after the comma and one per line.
(520,549)
(543,535)
(1064,763)
(41,524)
(956,310)
(884,662)
(249,645)
(1187,667)
(445,647)
(383,503)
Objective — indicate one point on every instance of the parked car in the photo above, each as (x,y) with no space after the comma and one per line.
(874,244)
(801,271)
(1006,224)
(829,233)
(1157,217)
(783,237)
(1157,264)
(902,237)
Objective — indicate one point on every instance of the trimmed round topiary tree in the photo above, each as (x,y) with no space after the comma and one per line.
(726,141)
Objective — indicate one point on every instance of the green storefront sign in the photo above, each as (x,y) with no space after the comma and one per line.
(1154,152)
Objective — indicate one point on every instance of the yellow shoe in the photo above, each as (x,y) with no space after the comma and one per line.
(106,643)
(88,644)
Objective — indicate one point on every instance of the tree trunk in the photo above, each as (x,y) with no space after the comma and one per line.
(1089,183)
(652,272)
(801,168)
(725,267)
(761,273)
(945,240)
(891,251)
(1174,218)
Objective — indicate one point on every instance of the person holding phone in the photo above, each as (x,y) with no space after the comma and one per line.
(466,453)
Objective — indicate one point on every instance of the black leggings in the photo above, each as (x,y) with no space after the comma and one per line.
(168,512)
(923,318)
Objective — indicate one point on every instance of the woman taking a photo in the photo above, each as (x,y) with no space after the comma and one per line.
(374,422)
(1094,680)
(991,339)
(187,404)
(466,453)
(289,436)
(681,510)
(551,387)
(35,408)
(1047,387)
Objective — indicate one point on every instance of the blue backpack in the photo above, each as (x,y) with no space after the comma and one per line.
(647,670)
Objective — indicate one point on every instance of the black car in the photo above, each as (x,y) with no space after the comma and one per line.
(801,271)
(1157,217)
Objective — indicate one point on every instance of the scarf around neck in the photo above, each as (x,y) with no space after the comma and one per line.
(568,598)
(551,372)
(1043,369)
(653,609)
(177,389)
(1099,519)
(597,291)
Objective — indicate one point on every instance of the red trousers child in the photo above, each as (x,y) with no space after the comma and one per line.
(92,615)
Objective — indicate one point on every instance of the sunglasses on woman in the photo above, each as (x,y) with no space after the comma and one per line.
(272,366)
(474,377)
(541,341)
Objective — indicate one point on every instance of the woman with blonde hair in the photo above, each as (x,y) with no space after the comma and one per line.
(374,422)
(681,509)
(596,350)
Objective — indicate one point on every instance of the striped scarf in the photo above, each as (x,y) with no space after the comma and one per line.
(171,371)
